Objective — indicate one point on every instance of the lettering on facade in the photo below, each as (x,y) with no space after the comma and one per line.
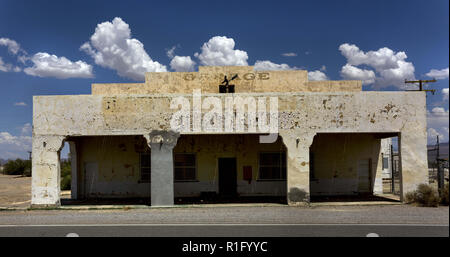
(245,76)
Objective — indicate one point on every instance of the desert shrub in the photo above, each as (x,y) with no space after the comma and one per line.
(424,195)
(17,167)
(444,195)
(66,175)
(27,172)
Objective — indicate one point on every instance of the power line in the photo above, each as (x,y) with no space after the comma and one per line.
(421,83)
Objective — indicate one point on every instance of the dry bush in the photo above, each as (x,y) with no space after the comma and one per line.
(424,195)
(444,195)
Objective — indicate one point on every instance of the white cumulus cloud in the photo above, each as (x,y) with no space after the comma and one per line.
(19,142)
(351,72)
(113,47)
(13,46)
(12,146)
(391,67)
(382,59)
(289,54)
(438,74)
(26,129)
(219,50)
(445,94)
(47,65)
(437,120)
(317,75)
(7,67)
(171,52)
(182,64)
(3,66)
(15,49)
(268,65)
(433,134)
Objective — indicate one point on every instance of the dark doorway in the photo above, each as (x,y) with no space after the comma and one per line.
(227,177)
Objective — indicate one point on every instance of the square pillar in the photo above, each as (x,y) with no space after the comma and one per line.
(297,144)
(74,170)
(413,161)
(377,167)
(46,171)
(161,144)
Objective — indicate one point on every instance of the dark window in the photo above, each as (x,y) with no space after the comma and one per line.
(184,166)
(385,163)
(272,166)
(145,165)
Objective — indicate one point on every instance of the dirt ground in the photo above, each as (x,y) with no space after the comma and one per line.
(15,191)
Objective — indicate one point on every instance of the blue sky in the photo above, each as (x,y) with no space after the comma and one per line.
(331,39)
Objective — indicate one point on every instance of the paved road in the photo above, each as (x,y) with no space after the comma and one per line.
(397,214)
(396,220)
(227,230)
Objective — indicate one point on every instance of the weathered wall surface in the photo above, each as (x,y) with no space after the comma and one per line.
(309,112)
(305,109)
(301,116)
(344,163)
(208,80)
(116,172)
(46,178)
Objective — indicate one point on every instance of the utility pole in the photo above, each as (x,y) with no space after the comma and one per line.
(440,174)
(31,164)
(421,83)
(392,170)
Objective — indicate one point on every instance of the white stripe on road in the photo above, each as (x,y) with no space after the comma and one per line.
(229,224)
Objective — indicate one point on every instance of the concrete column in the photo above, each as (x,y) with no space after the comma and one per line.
(46,171)
(297,145)
(413,160)
(74,170)
(377,167)
(162,144)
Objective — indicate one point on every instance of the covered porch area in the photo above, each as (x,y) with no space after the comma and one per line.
(348,167)
(188,169)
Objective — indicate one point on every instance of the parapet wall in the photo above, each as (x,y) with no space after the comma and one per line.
(208,79)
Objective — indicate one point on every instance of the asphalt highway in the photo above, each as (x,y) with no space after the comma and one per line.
(226,230)
(231,221)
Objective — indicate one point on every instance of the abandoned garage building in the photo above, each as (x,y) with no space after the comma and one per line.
(327,141)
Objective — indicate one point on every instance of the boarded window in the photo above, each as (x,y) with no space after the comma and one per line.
(145,166)
(272,166)
(184,166)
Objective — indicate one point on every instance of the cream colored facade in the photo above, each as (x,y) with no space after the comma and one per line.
(116,167)
(330,132)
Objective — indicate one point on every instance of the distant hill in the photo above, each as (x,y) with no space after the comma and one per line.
(3,161)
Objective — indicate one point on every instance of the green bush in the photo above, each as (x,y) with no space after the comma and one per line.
(444,195)
(17,167)
(66,175)
(424,195)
